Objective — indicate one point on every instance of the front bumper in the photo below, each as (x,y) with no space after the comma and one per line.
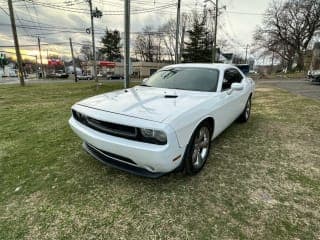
(146,157)
(112,161)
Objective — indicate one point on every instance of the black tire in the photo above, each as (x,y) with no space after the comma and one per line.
(198,149)
(245,115)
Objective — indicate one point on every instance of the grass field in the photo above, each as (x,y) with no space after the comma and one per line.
(262,180)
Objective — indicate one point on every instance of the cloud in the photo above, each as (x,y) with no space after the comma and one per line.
(73,24)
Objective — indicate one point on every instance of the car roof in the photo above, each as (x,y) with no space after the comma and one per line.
(219,66)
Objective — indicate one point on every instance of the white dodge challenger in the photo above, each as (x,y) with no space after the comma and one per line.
(168,122)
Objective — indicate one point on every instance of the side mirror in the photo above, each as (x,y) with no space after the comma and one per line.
(145,80)
(237,86)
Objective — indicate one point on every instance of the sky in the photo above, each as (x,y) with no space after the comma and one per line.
(57,21)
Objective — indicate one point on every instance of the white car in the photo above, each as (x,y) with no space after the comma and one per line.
(168,122)
(84,77)
(314,75)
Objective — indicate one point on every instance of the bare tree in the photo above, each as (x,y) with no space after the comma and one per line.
(85,52)
(140,46)
(168,36)
(288,28)
(148,45)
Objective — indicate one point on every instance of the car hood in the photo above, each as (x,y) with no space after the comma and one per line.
(154,104)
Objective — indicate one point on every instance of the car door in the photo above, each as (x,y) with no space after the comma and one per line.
(231,98)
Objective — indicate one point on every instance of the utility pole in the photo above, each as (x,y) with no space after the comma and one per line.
(214,50)
(214,47)
(246,59)
(176,59)
(42,71)
(93,43)
(182,42)
(73,62)
(127,43)
(16,42)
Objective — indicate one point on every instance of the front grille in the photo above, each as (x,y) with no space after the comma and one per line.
(106,127)
(104,154)
(114,129)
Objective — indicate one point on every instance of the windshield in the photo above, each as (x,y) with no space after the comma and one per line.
(193,79)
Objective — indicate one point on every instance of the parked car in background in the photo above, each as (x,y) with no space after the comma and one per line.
(13,73)
(57,74)
(244,68)
(50,75)
(253,72)
(84,77)
(115,76)
(8,72)
(314,75)
(167,123)
(62,74)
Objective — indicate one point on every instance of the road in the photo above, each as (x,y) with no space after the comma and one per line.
(296,86)
(11,80)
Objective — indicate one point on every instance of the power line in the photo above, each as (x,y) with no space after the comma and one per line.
(36,12)
(245,13)
(10,46)
(4,11)
(9,16)
(110,12)
(15,53)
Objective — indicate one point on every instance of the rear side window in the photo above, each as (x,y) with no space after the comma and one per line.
(231,75)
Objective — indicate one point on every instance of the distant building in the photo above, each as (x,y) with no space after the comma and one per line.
(141,69)
(138,69)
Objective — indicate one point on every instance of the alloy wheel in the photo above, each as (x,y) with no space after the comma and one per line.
(201,147)
(248,109)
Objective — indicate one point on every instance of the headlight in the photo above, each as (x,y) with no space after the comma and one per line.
(154,136)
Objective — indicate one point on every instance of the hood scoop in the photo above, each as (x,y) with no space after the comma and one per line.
(170,96)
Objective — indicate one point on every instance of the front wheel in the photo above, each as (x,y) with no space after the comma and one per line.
(198,149)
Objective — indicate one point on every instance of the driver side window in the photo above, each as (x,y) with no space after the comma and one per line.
(231,75)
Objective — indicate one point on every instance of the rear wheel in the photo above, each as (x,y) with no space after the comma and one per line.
(245,115)
(198,149)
